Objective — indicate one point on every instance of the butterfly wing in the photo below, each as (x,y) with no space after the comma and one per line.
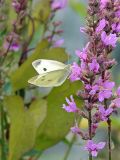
(45,66)
(51,79)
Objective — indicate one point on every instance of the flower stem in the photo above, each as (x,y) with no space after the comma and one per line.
(3,153)
(109,139)
(90,130)
(69,148)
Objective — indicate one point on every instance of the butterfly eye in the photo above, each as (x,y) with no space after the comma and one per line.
(44,69)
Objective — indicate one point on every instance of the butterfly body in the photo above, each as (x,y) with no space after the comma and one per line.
(51,73)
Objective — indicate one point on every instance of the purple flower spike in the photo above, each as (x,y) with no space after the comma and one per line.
(94,148)
(71,107)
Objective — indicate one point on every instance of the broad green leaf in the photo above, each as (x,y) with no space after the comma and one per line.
(20,77)
(58,122)
(58,54)
(24,124)
(78,7)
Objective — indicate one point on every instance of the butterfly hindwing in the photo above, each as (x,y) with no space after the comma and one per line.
(51,79)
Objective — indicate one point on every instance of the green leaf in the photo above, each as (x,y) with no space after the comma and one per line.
(58,54)
(78,7)
(41,9)
(58,122)
(24,124)
(20,77)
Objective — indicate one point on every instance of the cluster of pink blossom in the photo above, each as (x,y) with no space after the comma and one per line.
(58,4)
(103,29)
(12,41)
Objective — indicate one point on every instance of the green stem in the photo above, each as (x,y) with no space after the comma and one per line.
(69,148)
(3,153)
(109,134)
(90,131)
(109,139)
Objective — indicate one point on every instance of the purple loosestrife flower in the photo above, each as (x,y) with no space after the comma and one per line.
(110,39)
(104,89)
(116,102)
(101,25)
(117,14)
(94,66)
(12,41)
(83,30)
(58,43)
(16,5)
(104,114)
(76,72)
(94,127)
(94,148)
(81,55)
(71,107)
(19,5)
(75,130)
(15,47)
(58,4)
(116,27)
(103,4)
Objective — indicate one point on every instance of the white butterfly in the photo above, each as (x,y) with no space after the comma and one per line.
(51,73)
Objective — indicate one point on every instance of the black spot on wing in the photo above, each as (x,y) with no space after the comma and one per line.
(37,63)
(44,69)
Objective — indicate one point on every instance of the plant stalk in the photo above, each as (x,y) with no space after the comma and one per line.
(3,153)
(109,139)
(69,147)
(90,130)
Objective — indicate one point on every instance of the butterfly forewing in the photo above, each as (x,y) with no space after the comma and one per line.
(45,66)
